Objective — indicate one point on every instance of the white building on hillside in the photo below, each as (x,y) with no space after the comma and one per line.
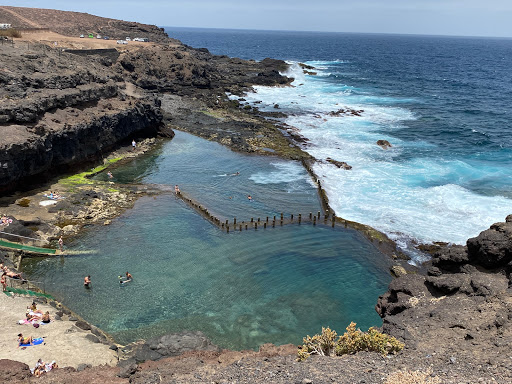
(5,26)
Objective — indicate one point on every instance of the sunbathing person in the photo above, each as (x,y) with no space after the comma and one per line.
(13,275)
(46,317)
(24,340)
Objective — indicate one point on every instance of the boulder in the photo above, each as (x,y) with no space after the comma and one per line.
(173,345)
(339,164)
(384,144)
(398,270)
(492,248)
(450,283)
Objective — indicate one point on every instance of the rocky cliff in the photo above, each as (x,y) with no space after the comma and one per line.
(59,110)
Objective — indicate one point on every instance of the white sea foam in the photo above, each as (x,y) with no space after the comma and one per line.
(285,172)
(418,199)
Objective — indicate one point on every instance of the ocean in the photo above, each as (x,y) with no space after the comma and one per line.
(442,102)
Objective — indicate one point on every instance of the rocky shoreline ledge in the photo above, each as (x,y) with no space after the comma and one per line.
(455,321)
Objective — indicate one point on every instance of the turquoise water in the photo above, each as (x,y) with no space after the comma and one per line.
(241,289)
(205,171)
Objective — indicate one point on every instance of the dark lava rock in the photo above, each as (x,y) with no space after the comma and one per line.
(83,325)
(447,284)
(92,338)
(384,144)
(339,164)
(173,345)
(13,370)
(492,248)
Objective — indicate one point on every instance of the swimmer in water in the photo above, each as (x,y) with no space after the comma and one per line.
(87,281)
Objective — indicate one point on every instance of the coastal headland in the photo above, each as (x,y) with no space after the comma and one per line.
(69,103)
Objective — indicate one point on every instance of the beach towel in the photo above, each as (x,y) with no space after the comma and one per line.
(37,341)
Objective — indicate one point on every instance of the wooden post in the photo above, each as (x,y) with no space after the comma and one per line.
(281,216)
(222,225)
(252,219)
(227,223)
(273,223)
(274,218)
(234,221)
(310,215)
(240,227)
(255,225)
(333,220)
(281,222)
(267,219)
(227,228)
(314,220)
(318,214)
(264,225)
(246,227)
(258,219)
(292,217)
(300,217)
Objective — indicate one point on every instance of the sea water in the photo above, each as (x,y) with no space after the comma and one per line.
(442,102)
(242,289)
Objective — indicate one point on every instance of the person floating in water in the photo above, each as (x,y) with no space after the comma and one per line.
(110,175)
(235,174)
(249,197)
(128,278)
(87,281)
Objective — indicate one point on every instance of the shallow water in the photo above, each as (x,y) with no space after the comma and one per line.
(243,288)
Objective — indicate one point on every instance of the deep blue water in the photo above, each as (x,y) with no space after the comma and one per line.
(443,102)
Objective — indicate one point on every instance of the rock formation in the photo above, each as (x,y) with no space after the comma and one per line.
(384,144)
(462,309)
(339,164)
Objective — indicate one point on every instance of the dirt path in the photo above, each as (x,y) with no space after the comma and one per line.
(18,16)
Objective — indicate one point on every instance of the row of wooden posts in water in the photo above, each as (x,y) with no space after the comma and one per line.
(268,221)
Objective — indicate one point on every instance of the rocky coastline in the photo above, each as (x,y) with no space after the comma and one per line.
(62,112)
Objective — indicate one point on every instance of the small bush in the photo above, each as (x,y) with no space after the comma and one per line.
(24,202)
(350,342)
(10,32)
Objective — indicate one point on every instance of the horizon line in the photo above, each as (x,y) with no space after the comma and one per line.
(340,32)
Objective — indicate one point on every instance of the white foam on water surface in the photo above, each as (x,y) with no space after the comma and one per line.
(411,198)
(285,172)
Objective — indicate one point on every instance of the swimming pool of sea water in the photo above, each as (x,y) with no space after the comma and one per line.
(241,289)
(206,171)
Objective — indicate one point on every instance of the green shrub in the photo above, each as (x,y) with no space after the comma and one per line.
(350,342)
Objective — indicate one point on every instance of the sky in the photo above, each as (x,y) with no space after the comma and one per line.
(429,17)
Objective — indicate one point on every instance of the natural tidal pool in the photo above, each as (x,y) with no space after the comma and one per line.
(242,289)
